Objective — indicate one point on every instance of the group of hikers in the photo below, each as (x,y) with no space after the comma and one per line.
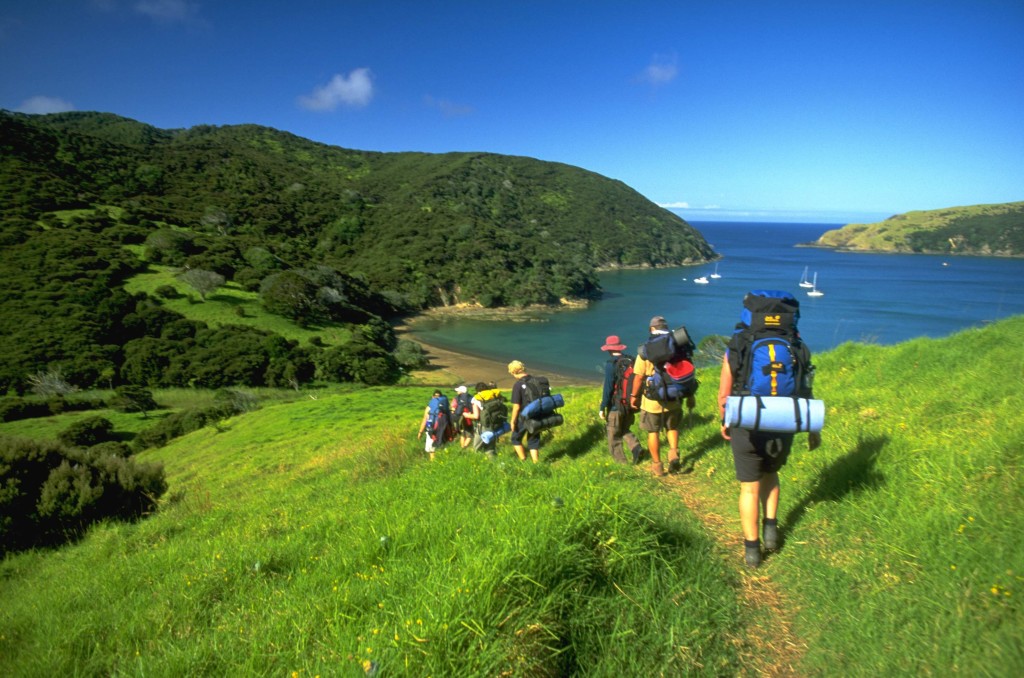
(479,420)
(765,397)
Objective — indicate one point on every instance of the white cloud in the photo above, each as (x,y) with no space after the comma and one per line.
(354,90)
(448,109)
(43,104)
(168,11)
(674,205)
(662,70)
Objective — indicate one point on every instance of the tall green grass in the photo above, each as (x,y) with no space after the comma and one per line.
(902,550)
(315,538)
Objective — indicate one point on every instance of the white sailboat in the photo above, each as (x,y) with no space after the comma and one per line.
(804,282)
(715,274)
(814,291)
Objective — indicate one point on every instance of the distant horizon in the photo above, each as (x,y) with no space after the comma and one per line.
(836,218)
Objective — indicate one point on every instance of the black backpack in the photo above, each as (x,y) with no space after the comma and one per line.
(536,387)
(493,413)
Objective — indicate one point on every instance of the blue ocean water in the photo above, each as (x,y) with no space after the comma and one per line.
(875,298)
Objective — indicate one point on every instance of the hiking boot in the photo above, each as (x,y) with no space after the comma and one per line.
(638,452)
(771,536)
(656,468)
(674,465)
(752,555)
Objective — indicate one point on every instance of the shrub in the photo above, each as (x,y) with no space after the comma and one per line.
(13,409)
(236,401)
(178,424)
(50,494)
(166,292)
(87,432)
(133,399)
(410,355)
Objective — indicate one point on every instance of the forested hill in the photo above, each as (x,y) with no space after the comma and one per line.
(424,229)
(242,255)
(993,230)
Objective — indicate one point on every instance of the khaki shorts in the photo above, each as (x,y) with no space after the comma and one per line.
(669,420)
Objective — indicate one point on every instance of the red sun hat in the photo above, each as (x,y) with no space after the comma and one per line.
(612,343)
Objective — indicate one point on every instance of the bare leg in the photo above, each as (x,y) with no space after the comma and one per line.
(654,446)
(769,494)
(749,498)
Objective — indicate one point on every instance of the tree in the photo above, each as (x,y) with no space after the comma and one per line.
(134,399)
(290,295)
(203,282)
(50,383)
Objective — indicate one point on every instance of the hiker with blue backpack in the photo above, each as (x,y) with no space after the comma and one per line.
(765,397)
(664,377)
(615,409)
(436,423)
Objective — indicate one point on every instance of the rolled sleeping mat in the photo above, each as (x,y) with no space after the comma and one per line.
(777,414)
(543,406)
(534,425)
(488,436)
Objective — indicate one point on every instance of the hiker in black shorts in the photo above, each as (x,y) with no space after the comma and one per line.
(757,455)
(521,397)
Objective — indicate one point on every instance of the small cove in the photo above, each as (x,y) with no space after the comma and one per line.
(874,298)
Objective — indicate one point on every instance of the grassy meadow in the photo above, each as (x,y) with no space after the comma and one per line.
(313,537)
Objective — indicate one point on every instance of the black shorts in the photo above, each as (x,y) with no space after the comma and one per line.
(756,454)
(532,439)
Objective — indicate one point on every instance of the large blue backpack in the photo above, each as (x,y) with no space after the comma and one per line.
(439,420)
(766,355)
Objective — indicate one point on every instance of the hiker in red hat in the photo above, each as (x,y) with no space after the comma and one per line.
(615,401)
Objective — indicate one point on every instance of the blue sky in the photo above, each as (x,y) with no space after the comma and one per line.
(824,111)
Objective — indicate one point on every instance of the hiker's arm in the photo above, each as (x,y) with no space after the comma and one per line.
(639,374)
(724,391)
(423,422)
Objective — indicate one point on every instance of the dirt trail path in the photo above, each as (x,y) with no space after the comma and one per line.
(768,647)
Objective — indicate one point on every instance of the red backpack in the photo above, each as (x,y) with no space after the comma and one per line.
(622,386)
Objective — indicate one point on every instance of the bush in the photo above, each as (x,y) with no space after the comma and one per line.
(410,355)
(50,494)
(133,399)
(236,401)
(166,292)
(178,424)
(87,432)
(13,409)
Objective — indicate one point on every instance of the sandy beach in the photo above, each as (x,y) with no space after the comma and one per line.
(450,368)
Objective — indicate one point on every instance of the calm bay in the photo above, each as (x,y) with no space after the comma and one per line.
(873,298)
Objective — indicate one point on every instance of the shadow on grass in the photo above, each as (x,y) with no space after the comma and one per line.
(580,445)
(691,458)
(852,473)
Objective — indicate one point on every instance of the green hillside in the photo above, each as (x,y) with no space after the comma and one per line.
(331,241)
(314,538)
(990,230)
